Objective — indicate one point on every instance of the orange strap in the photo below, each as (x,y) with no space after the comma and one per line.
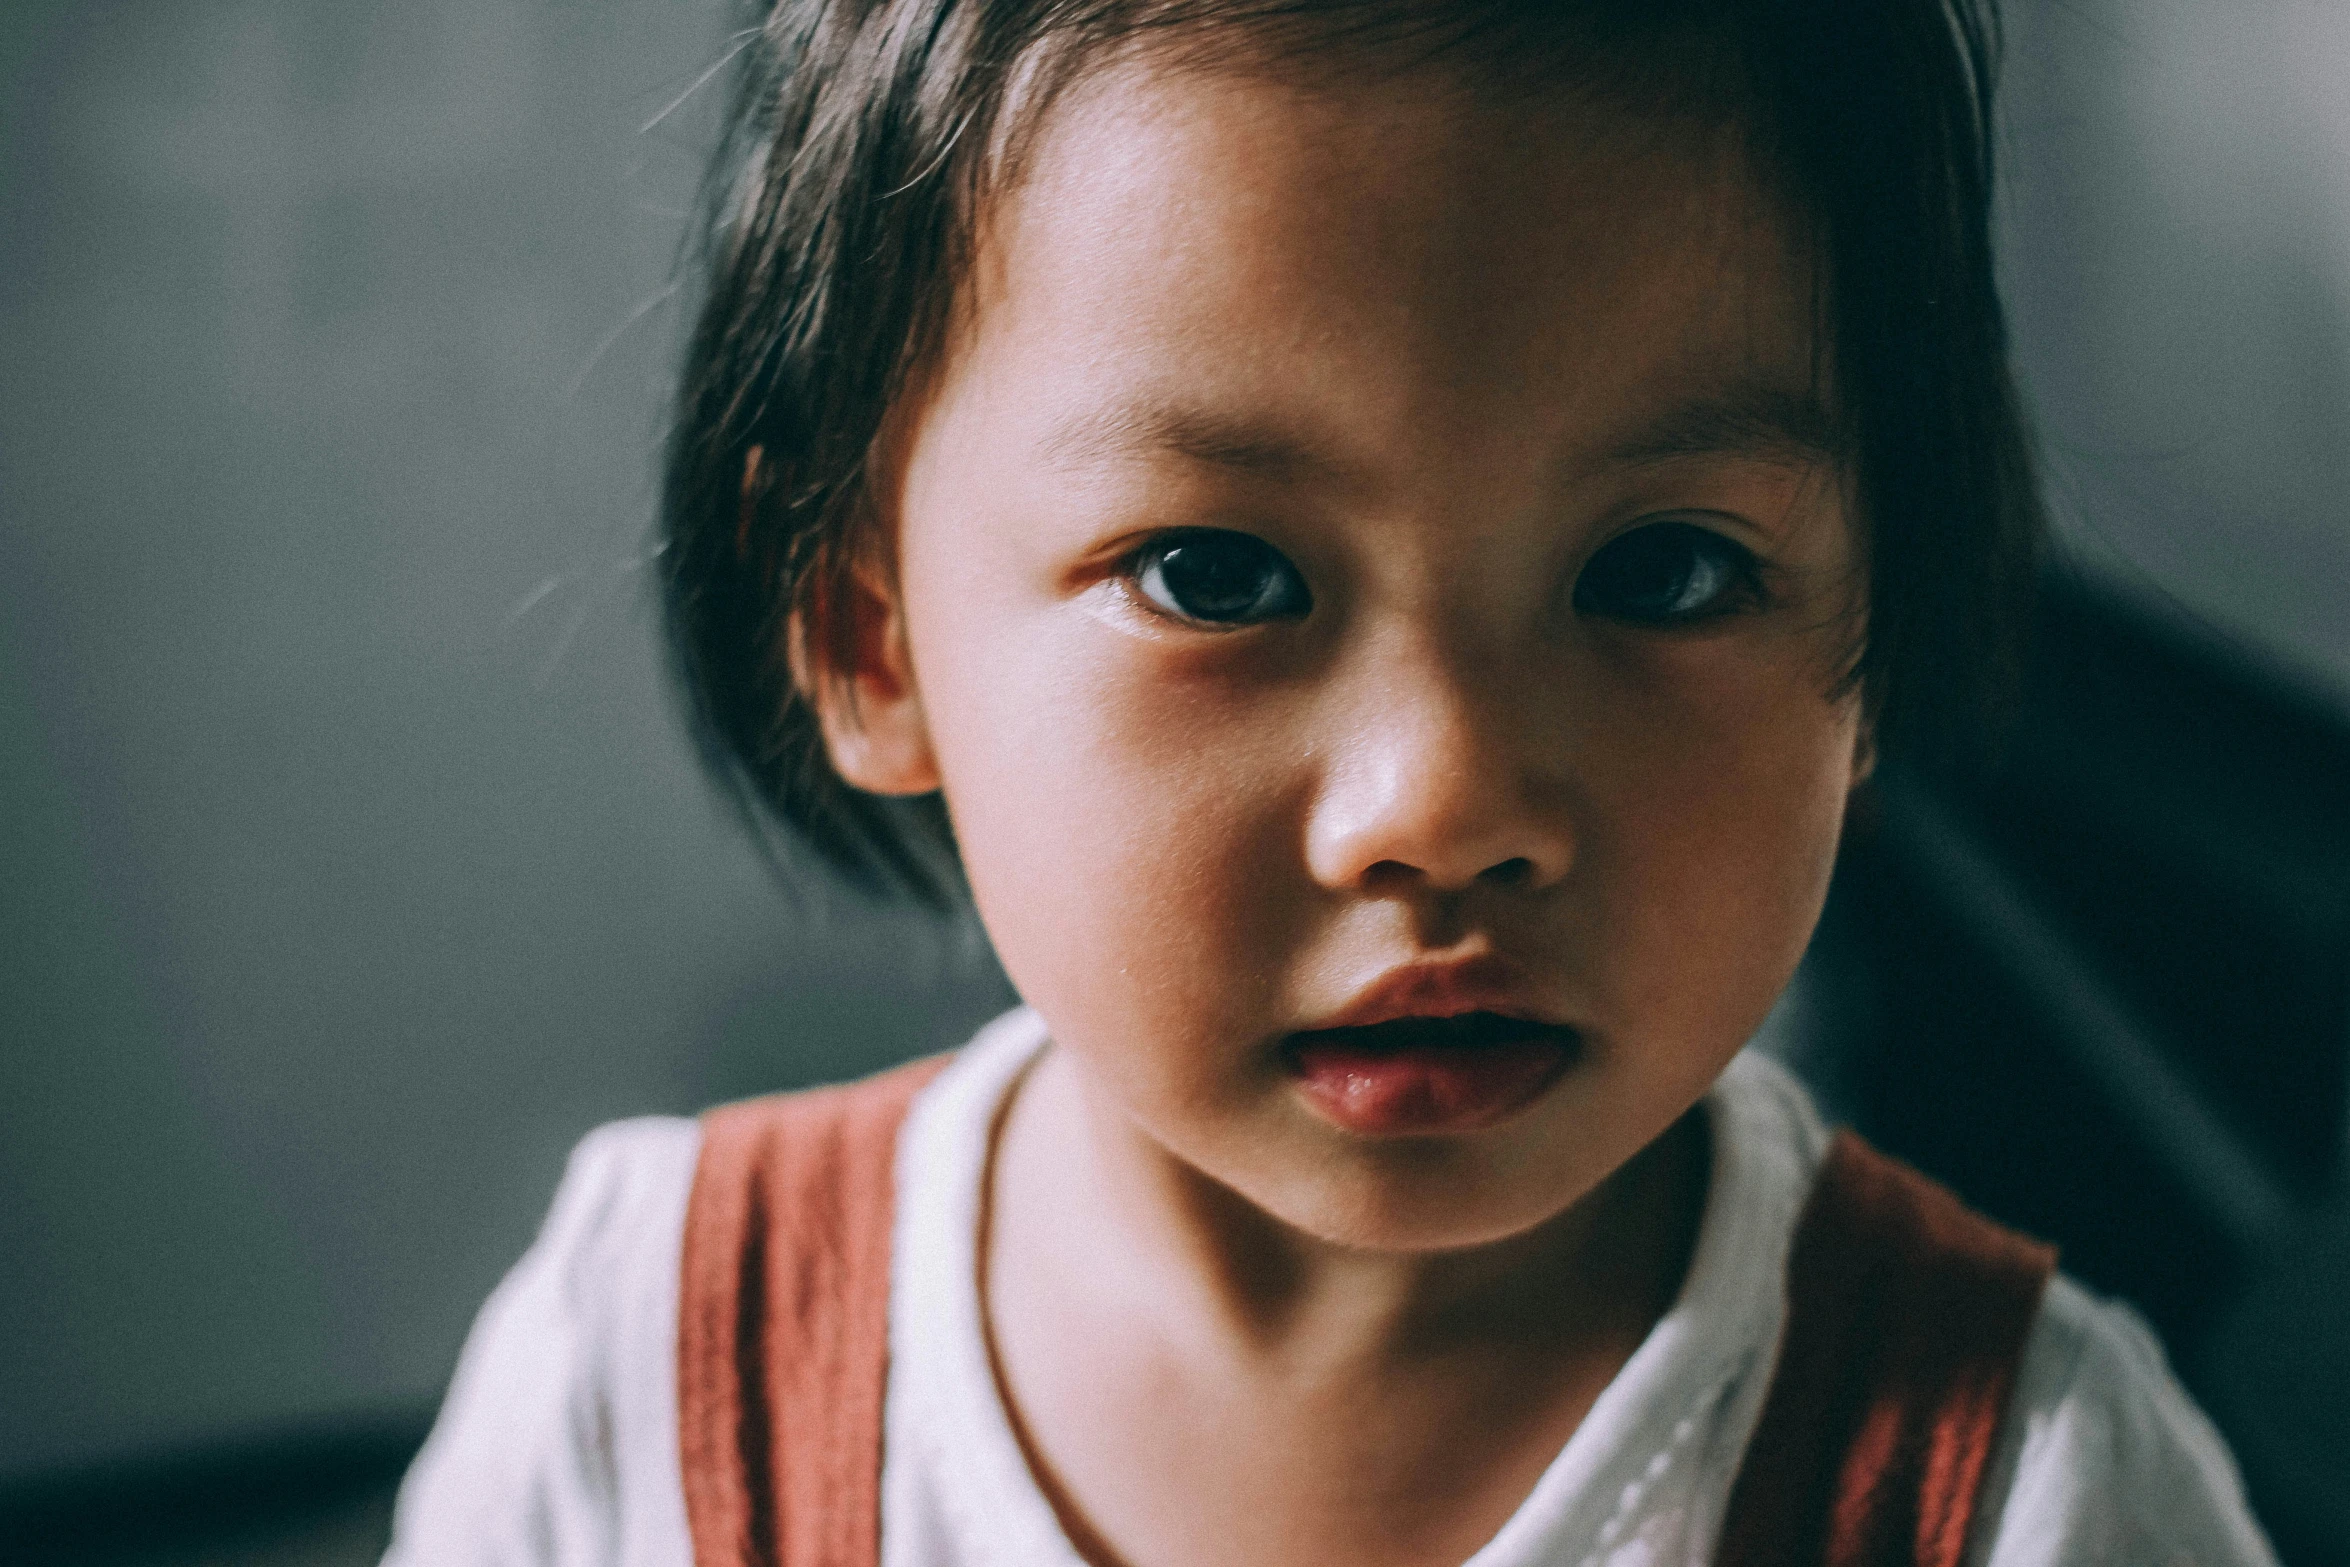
(783,1324)
(1907,1318)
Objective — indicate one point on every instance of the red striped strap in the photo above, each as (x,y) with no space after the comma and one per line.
(783,1324)
(1906,1320)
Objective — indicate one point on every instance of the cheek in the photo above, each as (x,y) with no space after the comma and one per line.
(1718,789)
(1125,835)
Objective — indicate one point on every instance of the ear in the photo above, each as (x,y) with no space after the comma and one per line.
(856,674)
(1864,749)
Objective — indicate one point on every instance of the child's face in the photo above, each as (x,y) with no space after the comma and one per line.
(1507,679)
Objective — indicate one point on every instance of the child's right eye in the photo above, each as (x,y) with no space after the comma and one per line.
(1215,577)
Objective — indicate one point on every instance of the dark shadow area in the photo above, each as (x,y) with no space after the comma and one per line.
(313,1498)
(2104,991)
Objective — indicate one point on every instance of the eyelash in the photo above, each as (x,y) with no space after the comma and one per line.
(1638,578)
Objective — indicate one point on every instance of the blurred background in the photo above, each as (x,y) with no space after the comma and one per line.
(352,864)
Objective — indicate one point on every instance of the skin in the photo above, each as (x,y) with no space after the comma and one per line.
(1438,354)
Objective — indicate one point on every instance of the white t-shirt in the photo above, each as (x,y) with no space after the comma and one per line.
(558,1442)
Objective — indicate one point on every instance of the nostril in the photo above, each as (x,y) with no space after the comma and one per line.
(1509,873)
(1386,875)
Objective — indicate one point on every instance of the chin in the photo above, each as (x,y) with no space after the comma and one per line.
(1419,1197)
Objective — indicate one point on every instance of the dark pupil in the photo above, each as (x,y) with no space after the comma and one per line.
(1216,579)
(1647,573)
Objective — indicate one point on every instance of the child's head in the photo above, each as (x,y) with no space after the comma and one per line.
(1359,509)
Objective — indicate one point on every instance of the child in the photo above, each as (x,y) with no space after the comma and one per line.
(1391,529)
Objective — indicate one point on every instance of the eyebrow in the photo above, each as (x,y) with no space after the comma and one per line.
(1241,445)
(1754,419)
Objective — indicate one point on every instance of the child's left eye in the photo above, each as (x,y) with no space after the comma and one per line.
(1667,574)
(1220,578)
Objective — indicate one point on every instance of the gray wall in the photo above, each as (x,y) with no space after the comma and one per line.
(2178,269)
(350,864)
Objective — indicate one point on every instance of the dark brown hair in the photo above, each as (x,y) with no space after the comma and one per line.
(865,134)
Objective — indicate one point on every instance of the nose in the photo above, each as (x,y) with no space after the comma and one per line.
(1435,781)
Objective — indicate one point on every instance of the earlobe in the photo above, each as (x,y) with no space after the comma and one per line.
(1864,753)
(859,679)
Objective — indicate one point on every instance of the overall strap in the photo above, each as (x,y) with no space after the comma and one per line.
(783,1324)
(1906,1320)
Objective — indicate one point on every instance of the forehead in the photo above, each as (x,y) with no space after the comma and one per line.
(1236,267)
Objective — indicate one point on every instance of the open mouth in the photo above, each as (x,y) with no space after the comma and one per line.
(1428,1076)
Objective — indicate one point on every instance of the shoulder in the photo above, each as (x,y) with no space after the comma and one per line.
(832,1160)
(813,1123)
(2105,1458)
(606,1256)
(557,1440)
(623,1182)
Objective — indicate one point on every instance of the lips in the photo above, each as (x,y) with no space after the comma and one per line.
(1428,1075)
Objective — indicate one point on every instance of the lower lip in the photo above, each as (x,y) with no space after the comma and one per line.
(1406,1089)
